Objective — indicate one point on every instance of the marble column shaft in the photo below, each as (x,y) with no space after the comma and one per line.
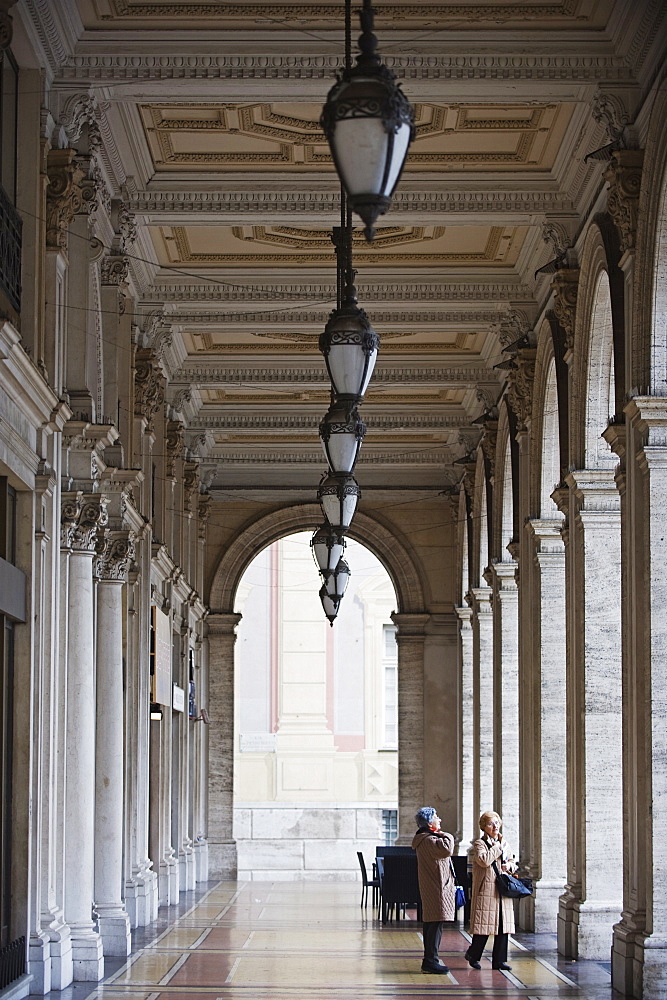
(221,844)
(505,608)
(88,963)
(112,917)
(592,900)
(482,630)
(468,819)
(410,639)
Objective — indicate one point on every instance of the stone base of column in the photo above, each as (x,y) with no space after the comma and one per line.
(200,853)
(168,882)
(626,960)
(186,870)
(650,968)
(141,897)
(87,955)
(113,924)
(60,947)
(222,859)
(585,930)
(544,905)
(39,963)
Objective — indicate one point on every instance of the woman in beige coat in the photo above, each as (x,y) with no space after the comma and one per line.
(490,913)
(434,850)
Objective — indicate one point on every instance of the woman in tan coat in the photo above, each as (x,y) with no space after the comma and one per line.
(434,850)
(490,913)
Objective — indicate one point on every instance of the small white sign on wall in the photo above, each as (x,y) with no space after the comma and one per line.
(257,742)
(178,702)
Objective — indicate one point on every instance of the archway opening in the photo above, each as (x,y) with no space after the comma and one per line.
(316,736)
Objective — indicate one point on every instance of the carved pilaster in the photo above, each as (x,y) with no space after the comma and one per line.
(204,512)
(190,481)
(82,516)
(5,24)
(114,553)
(114,269)
(624,176)
(148,385)
(64,197)
(488,443)
(94,192)
(175,445)
(520,386)
(565,286)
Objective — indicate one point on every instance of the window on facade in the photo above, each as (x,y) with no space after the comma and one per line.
(390,671)
(7,552)
(389,826)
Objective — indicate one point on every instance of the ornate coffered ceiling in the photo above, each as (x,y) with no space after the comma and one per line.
(209,114)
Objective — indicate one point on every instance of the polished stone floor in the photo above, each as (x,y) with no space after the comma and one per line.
(311,941)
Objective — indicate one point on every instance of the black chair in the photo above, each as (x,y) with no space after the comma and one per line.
(399,885)
(462,876)
(383,851)
(374,883)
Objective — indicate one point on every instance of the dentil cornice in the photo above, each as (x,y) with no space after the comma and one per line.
(383,291)
(286,421)
(219,374)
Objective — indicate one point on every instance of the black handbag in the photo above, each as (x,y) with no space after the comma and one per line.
(510,886)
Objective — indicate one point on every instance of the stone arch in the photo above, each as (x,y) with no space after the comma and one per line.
(391,552)
(503,488)
(480,523)
(546,457)
(593,398)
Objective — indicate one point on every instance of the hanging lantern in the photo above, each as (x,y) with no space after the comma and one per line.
(350,347)
(329,605)
(369,124)
(328,546)
(336,583)
(338,496)
(342,433)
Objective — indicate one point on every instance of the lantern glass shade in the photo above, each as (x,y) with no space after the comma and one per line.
(329,604)
(342,433)
(336,583)
(338,496)
(328,546)
(350,347)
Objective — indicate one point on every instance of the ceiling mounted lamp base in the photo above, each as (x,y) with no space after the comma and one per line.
(369,125)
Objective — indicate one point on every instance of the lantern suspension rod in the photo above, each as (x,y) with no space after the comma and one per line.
(348,34)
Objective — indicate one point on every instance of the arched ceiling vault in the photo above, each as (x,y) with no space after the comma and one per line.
(209,115)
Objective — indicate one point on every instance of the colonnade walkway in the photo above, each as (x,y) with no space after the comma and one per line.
(311,941)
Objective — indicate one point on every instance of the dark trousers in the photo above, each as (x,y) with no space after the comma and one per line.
(499,953)
(432,931)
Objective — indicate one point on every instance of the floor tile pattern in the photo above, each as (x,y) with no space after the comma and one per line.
(310,941)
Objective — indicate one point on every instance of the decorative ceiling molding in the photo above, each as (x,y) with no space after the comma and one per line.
(429,456)
(443,315)
(203,375)
(299,422)
(388,291)
(515,67)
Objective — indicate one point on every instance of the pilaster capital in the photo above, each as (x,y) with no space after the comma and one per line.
(114,553)
(81,517)
(410,625)
(595,491)
(464,614)
(520,385)
(624,176)
(174,445)
(203,513)
(488,444)
(219,623)
(565,286)
(615,435)
(83,447)
(114,269)
(190,481)
(547,534)
(94,193)
(6,29)
(503,575)
(64,197)
(480,599)
(148,385)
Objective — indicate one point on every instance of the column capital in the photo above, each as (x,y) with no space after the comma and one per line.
(504,576)
(148,386)
(595,490)
(479,599)
(114,554)
(650,414)
(410,625)
(219,623)
(565,286)
(547,533)
(80,520)
(64,197)
(520,385)
(465,614)
(624,176)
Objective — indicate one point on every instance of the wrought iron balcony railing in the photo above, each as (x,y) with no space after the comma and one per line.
(10,251)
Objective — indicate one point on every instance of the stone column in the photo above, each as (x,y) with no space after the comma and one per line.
(410,639)
(592,900)
(442,712)
(221,844)
(502,576)
(639,953)
(482,685)
(82,516)
(547,856)
(114,553)
(468,818)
